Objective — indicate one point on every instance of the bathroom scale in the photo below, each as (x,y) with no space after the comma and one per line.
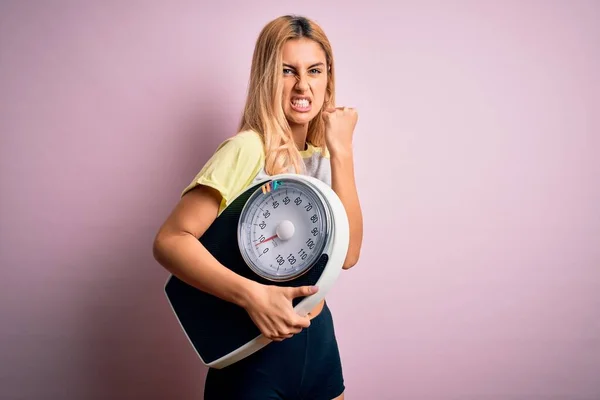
(286,230)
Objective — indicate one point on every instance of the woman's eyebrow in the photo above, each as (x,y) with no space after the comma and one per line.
(319,64)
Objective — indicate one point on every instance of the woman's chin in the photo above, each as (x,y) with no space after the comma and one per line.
(295,118)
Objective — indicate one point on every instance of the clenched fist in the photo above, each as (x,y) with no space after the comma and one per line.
(339,128)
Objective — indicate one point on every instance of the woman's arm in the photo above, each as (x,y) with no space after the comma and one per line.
(339,130)
(177,248)
(344,185)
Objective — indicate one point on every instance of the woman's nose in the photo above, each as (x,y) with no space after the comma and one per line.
(301,83)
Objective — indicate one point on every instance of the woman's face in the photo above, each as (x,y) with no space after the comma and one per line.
(304,72)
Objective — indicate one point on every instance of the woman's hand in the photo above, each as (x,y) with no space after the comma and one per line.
(339,128)
(270,308)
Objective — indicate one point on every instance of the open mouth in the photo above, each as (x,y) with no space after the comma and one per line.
(301,104)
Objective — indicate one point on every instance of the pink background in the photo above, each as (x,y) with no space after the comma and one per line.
(476,159)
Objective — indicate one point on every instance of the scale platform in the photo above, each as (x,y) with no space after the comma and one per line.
(223,333)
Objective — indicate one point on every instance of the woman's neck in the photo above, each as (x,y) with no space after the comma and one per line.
(299,134)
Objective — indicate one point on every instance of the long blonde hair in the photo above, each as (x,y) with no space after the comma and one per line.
(263,112)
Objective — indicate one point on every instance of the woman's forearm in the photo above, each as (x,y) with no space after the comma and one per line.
(344,185)
(187,259)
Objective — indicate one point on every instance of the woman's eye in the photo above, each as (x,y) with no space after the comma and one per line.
(287,71)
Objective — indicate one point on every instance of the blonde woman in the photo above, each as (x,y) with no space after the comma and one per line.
(290,124)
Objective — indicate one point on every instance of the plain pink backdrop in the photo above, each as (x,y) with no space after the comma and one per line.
(476,160)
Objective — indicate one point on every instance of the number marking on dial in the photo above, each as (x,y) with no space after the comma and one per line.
(284,232)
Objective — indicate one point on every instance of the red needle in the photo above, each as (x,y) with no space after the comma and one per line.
(266,240)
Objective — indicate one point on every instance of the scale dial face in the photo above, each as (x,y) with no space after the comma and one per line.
(283,229)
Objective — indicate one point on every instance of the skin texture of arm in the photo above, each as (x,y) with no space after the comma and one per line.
(177,249)
(339,130)
(343,183)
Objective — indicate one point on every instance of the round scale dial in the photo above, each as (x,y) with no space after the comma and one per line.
(283,229)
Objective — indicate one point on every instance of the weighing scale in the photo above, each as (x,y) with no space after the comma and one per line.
(287,230)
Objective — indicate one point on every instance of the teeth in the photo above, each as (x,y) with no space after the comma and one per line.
(301,103)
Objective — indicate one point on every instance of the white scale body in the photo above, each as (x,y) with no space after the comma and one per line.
(288,230)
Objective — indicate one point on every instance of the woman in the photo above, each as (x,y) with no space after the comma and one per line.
(289,124)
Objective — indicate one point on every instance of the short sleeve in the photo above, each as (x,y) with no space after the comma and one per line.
(232,167)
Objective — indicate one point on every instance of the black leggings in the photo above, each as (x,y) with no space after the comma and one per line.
(305,366)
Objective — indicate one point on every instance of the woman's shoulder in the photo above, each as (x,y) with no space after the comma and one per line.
(234,163)
(243,150)
(248,141)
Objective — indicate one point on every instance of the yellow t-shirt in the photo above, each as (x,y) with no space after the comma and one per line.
(239,162)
